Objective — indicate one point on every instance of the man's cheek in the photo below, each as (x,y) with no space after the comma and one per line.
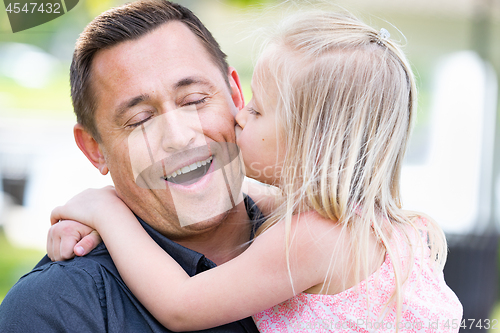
(218,122)
(144,149)
(139,151)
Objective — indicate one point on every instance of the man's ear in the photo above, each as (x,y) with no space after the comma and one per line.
(90,147)
(236,91)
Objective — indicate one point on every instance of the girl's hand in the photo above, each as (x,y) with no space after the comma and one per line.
(89,207)
(67,238)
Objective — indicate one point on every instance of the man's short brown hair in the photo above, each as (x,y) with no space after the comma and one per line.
(127,22)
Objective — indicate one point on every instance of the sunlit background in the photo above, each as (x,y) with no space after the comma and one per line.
(451,170)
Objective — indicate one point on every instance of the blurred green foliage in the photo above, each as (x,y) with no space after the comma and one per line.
(53,99)
(14,263)
(243,3)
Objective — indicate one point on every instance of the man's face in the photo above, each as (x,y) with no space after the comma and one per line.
(164,106)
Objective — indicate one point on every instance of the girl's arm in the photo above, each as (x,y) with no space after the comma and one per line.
(252,282)
(70,238)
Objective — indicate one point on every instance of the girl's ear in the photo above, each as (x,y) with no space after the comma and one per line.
(90,147)
(236,91)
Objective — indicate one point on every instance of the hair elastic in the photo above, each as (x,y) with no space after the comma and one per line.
(383,35)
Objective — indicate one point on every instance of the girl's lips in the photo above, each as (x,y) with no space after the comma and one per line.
(237,130)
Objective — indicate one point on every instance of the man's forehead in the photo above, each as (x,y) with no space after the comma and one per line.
(172,40)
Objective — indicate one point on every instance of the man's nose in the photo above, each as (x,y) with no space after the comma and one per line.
(180,130)
(241,117)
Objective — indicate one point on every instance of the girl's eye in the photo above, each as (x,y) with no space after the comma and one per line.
(253,111)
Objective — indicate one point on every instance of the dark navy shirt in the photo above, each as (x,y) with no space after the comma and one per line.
(86,294)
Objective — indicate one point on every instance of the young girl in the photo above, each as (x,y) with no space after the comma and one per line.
(333,103)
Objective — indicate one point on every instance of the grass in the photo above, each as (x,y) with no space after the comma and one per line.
(495,313)
(14,263)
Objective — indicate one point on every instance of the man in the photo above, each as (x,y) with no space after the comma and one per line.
(133,65)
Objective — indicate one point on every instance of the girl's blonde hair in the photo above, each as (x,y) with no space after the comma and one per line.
(345,110)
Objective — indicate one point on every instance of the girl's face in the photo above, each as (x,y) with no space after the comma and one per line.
(256,132)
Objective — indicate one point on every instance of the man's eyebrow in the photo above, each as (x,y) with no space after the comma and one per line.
(190,81)
(123,107)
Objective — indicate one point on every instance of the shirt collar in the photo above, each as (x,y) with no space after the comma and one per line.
(194,262)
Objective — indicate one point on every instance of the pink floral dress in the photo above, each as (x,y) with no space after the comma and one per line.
(429,305)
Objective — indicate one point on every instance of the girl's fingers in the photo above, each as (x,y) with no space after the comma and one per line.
(63,237)
(66,245)
(87,243)
(50,245)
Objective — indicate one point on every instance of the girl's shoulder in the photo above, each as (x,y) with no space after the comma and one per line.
(322,245)
(314,227)
(316,219)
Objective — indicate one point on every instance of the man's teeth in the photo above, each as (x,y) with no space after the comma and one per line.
(189,168)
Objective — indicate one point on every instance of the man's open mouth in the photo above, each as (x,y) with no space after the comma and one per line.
(190,174)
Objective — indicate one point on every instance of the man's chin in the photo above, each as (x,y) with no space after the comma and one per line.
(208,224)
